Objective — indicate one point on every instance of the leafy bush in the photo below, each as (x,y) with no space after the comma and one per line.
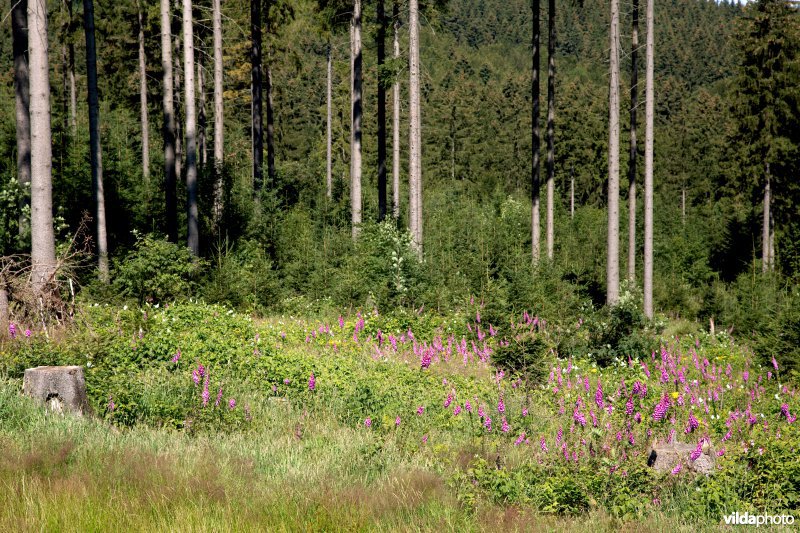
(621,331)
(157,271)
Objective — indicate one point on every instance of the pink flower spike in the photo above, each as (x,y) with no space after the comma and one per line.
(231,404)
(368,422)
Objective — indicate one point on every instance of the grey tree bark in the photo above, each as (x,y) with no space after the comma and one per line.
(648,163)
(329,127)
(766,223)
(43,250)
(396,117)
(632,155)
(355,177)
(256,88)
(143,100)
(202,153)
(193,236)
(415,130)
(219,118)
(270,122)
(219,124)
(73,91)
(612,262)
(551,115)
(177,87)
(95,150)
(170,171)
(19,33)
(381,45)
(683,205)
(536,138)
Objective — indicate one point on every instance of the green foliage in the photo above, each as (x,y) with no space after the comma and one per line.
(621,331)
(157,271)
(528,353)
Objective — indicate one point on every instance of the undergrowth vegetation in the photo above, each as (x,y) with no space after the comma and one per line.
(394,421)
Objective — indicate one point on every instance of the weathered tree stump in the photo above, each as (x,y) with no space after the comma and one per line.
(665,457)
(60,388)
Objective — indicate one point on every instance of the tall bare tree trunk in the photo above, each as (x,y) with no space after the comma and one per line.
(43,252)
(73,91)
(771,240)
(648,163)
(202,154)
(415,129)
(766,229)
(193,235)
(632,154)
(19,31)
(170,173)
(683,205)
(95,152)
(177,87)
(572,196)
(381,37)
(612,266)
(355,178)
(396,117)
(329,127)
(4,307)
(256,89)
(270,122)
(536,138)
(219,119)
(551,114)
(143,100)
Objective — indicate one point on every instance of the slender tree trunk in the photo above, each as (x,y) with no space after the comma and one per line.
(355,178)
(4,307)
(766,233)
(381,15)
(19,30)
(193,235)
(219,119)
(683,205)
(612,267)
(73,91)
(329,127)
(632,154)
(202,156)
(551,114)
(572,196)
(648,163)
(170,174)
(177,87)
(270,124)
(536,138)
(95,152)
(415,127)
(771,240)
(256,89)
(396,117)
(43,254)
(143,100)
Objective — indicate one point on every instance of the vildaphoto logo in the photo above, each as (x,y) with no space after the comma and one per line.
(747,519)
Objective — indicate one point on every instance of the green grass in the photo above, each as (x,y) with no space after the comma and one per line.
(295,472)
(290,459)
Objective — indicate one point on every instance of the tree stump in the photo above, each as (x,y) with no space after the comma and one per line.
(60,388)
(665,457)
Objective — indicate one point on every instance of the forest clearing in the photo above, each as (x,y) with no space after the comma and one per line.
(462,265)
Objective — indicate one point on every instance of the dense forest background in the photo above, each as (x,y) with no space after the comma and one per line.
(291,249)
